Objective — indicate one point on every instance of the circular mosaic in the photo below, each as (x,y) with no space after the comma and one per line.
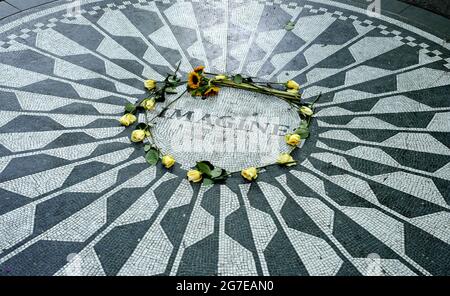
(370,195)
(235,130)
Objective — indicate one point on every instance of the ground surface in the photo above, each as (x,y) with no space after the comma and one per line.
(371,195)
(438,6)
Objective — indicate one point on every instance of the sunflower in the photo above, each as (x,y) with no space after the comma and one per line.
(199,69)
(194,80)
(212,91)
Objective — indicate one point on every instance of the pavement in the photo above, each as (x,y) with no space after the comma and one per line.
(370,195)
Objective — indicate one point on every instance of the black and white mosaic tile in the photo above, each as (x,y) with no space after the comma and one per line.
(370,196)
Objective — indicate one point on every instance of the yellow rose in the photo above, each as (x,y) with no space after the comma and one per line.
(286,159)
(150,84)
(194,176)
(293,139)
(306,111)
(220,77)
(128,119)
(137,136)
(250,173)
(291,84)
(168,161)
(293,91)
(148,104)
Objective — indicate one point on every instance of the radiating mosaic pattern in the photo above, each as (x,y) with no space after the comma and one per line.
(77,198)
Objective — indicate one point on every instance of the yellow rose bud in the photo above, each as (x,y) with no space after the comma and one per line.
(292,91)
(137,136)
(306,111)
(150,84)
(286,159)
(220,77)
(168,161)
(250,173)
(194,176)
(293,139)
(291,84)
(128,119)
(148,104)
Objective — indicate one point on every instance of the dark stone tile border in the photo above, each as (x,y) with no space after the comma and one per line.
(11,7)
(437,6)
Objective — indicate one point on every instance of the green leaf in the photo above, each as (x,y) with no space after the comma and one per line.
(203,89)
(303,132)
(130,108)
(173,81)
(147,148)
(171,90)
(304,124)
(152,156)
(237,79)
(290,25)
(222,177)
(216,173)
(204,168)
(161,97)
(208,182)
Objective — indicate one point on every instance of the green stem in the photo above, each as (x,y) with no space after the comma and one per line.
(292,104)
(259,89)
(262,167)
(312,107)
(150,138)
(167,107)
(178,68)
(269,82)
(315,100)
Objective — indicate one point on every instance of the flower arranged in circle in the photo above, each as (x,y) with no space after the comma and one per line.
(194,176)
(199,69)
(220,77)
(201,86)
(138,135)
(293,139)
(150,84)
(204,84)
(194,80)
(168,161)
(148,104)
(250,174)
(286,159)
(212,91)
(128,119)
(291,84)
(306,111)
(209,173)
